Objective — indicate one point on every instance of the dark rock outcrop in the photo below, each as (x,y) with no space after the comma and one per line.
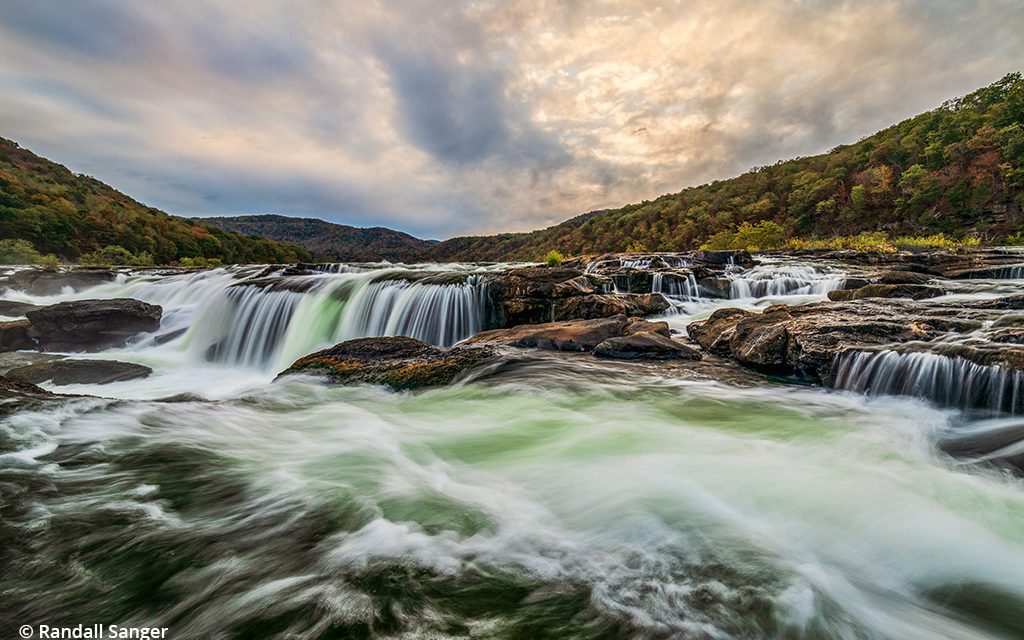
(804,340)
(397,362)
(14,309)
(911,291)
(570,335)
(12,388)
(901,277)
(89,325)
(647,345)
(69,371)
(40,282)
(14,336)
(604,305)
(533,295)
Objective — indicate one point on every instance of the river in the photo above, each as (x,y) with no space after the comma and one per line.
(556,496)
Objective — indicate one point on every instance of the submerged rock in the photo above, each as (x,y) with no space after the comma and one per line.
(68,371)
(646,344)
(397,362)
(90,325)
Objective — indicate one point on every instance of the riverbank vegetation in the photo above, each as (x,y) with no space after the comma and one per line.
(74,216)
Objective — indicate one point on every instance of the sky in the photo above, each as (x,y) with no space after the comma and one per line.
(445,118)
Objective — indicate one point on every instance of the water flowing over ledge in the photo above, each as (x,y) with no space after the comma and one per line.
(947,380)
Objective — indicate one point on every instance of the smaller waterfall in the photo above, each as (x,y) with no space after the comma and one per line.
(947,380)
(782,280)
(675,286)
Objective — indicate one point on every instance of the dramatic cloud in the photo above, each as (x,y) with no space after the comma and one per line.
(442,118)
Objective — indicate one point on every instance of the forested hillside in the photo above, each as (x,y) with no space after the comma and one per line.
(331,241)
(956,170)
(72,216)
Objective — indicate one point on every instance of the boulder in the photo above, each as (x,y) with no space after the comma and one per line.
(645,344)
(724,258)
(40,282)
(605,305)
(912,291)
(69,371)
(397,362)
(90,325)
(571,335)
(901,277)
(14,336)
(716,287)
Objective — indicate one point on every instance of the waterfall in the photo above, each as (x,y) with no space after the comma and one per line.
(947,380)
(263,327)
(782,280)
(674,286)
(245,325)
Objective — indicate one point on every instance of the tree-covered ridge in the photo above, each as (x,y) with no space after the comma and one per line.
(956,170)
(72,216)
(331,241)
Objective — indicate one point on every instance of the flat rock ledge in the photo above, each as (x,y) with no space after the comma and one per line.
(86,325)
(397,362)
(71,371)
(617,336)
(804,341)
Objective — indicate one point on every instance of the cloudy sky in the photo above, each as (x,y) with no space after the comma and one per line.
(447,117)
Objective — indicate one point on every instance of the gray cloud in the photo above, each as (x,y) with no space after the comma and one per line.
(465,117)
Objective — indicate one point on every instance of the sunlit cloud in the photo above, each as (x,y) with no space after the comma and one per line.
(451,118)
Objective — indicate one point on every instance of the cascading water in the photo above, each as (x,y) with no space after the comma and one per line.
(782,280)
(947,380)
(254,326)
(676,286)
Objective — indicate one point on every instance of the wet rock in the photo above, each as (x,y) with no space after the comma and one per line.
(840,295)
(604,305)
(901,277)
(13,309)
(854,283)
(805,340)
(645,344)
(911,291)
(14,359)
(12,388)
(397,362)
(724,258)
(14,336)
(69,371)
(571,335)
(40,282)
(89,325)
(715,287)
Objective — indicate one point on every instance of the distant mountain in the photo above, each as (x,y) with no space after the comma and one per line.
(330,241)
(958,169)
(71,215)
